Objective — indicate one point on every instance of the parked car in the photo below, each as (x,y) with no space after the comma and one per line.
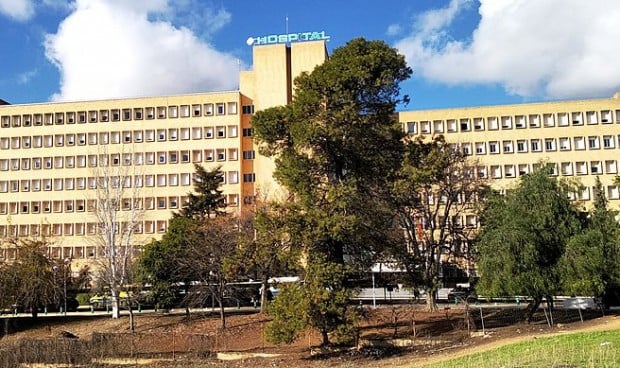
(462,294)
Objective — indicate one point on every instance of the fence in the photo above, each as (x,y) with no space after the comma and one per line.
(105,346)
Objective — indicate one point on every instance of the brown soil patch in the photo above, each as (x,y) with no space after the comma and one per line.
(436,336)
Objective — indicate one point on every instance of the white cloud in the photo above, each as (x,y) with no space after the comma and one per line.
(119,48)
(26,77)
(393,30)
(551,48)
(20,10)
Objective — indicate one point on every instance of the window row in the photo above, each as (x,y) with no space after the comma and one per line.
(75,252)
(77,229)
(136,181)
(547,120)
(540,145)
(116,137)
(90,205)
(562,168)
(124,159)
(122,114)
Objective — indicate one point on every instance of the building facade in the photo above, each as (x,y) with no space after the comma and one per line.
(580,139)
(51,154)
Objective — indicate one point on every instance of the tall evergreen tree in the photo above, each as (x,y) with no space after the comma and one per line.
(336,148)
(207,199)
(524,235)
(591,263)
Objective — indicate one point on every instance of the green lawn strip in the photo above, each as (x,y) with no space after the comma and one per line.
(593,349)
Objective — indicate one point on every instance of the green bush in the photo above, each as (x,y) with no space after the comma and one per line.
(83,298)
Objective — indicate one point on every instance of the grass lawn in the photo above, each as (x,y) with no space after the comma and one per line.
(592,350)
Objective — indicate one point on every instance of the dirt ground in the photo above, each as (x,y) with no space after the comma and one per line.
(427,337)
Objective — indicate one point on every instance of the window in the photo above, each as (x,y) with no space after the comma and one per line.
(466,149)
(509,171)
(438,126)
(480,148)
(248,155)
(507,146)
(608,141)
(493,147)
(248,132)
(220,109)
(247,109)
(492,123)
(506,122)
(521,146)
(465,127)
(221,131)
(535,145)
(577,118)
(596,167)
(611,167)
(249,178)
(549,144)
(566,168)
(452,125)
(412,128)
(196,110)
(581,168)
(478,124)
(593,143)
(564,144)
(496,171)
(613,192)
(580,143)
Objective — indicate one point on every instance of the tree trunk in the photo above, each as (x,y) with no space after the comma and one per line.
(131,320)
(222,316)
(263,295)
(325,337)
(532,308)
(116,313)
(431,306)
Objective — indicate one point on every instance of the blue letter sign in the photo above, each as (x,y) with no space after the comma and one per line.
(287,38)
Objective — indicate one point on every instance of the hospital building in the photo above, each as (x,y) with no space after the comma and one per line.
(51,154)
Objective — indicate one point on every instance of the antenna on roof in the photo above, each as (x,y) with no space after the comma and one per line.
(286,24)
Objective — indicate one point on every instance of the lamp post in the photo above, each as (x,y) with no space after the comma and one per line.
(65,263)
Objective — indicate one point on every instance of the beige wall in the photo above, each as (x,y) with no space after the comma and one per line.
(269,84)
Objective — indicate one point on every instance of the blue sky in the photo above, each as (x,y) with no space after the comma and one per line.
(463,52)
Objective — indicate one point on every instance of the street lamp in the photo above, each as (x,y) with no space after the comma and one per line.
(65,263)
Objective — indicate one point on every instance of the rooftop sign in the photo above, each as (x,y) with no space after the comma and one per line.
(287,38)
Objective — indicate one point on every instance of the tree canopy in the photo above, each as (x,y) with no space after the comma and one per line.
(338,143)
(336,147)
(591,262)
(523,238)
(436,187)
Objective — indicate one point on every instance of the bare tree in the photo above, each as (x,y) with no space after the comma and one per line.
(208,263)
(439,185)
(118,209)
